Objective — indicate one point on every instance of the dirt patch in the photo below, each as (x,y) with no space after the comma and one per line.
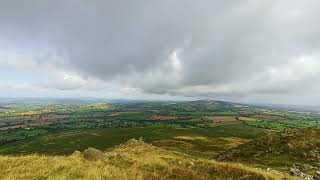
(163,118)
(224,120)
(247,119)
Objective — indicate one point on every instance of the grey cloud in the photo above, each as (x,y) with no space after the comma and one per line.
(225,47)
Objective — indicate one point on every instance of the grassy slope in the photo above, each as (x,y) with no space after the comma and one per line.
(300,147)
(136,160)
(66,142)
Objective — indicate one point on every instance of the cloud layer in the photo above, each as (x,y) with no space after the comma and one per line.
(252,50)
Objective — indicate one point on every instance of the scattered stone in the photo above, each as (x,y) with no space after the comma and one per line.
(308,177)
(294,171)
(92,154)
(109,154)
(273,171)
(141,139)
(317,175)
(187,164)
(132,141)
(135,141)
(190,163)
(308,166)
(289,146)
(268,169)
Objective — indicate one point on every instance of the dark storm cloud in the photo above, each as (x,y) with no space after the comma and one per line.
(189,48)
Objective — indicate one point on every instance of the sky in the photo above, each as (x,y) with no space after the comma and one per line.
(262,51)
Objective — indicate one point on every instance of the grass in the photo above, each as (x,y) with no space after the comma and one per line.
(200,129)
(128,161)
(65,142)
(281,125)
(20,134)
(280,150)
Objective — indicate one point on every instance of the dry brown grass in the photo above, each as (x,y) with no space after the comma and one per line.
(235,141)
(270,117)
(128,161)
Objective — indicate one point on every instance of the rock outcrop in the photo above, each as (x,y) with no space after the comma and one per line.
(92,154)
(317,175)
(295,171)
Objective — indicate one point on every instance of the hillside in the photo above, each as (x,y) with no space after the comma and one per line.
(282,150)
(132,160)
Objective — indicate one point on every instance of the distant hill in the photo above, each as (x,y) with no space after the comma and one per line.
(283,107)
(214,104)
(50,101)
(3,108)
(132,160)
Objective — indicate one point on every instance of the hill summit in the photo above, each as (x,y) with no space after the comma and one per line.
(134,159)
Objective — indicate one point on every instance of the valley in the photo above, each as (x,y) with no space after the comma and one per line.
(214,130)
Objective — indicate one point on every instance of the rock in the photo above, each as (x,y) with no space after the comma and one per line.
(272,171)
(92,154)
(294,171)
(308,166)
(77,154)
(132,141)
(289,146)
(141,140)
(317,175)
(190,163)
(268,169)
(109,154)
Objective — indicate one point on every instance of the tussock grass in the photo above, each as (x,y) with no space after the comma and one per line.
(133,160)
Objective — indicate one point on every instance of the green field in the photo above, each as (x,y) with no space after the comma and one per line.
(66,142)
(202,129)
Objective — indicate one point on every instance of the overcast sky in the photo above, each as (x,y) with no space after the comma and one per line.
(264,51)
